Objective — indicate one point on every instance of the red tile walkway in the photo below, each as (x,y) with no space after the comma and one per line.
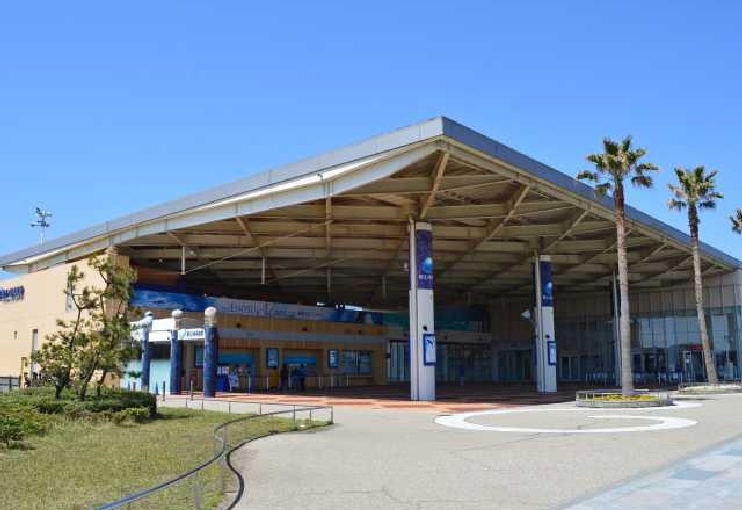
(451,399)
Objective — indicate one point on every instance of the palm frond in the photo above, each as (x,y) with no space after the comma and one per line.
(737,221)
(588,175)
(675,204)
(603,189)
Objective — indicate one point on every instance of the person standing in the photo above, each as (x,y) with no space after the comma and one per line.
(283,378)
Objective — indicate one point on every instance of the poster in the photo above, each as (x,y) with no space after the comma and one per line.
(271,357)
(551,349)
(234,381)
(333,358)
(428,349)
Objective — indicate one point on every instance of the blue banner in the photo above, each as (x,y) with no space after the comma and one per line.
(146,298)
(424,242)
(547,298)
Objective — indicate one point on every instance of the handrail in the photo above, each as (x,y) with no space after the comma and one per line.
(224,451)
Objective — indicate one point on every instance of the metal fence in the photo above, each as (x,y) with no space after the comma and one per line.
(9,383)
(206,485)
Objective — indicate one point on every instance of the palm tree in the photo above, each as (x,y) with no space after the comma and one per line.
(620,161)
(737,221)
(697,190)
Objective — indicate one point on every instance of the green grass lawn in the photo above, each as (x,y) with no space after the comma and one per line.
(78,464)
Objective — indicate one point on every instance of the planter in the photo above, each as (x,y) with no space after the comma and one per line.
(710,389)
(612,399)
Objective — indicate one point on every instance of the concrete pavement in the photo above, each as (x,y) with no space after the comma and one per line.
(402,459)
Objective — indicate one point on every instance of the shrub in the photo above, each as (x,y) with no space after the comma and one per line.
(131,414)
(11,429)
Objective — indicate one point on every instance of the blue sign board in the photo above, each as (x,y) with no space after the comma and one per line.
(424,241)
(271,357)
(333,358)
(428,349)
(547,298)
(12,293)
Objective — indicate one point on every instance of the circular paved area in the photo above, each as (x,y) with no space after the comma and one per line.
(402,459)
(566,420)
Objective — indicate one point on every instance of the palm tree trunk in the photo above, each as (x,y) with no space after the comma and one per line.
(698,284)
(627,380)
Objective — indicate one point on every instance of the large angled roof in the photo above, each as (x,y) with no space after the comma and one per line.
(491,208)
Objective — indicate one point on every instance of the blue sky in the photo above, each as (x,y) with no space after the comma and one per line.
(105,109)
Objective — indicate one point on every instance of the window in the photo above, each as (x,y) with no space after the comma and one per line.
(357,362)
(15,335)
(35,340)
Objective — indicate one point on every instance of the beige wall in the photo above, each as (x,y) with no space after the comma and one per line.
(43,303)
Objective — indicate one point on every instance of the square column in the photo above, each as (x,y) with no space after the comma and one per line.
(422,325)
(546,351)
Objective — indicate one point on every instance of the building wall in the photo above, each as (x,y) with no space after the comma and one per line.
(42,305)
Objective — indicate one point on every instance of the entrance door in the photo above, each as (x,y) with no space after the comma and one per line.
(693,369)
(570,368)
(514,365)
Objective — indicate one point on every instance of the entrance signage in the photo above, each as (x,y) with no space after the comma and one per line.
(192,334)
(12,293)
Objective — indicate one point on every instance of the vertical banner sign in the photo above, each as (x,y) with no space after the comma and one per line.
(547,298)
(424,240)
(333,358)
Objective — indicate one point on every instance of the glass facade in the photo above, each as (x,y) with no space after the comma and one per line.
(665,337)
(472,361)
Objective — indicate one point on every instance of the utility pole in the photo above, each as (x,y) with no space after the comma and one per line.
(41,221)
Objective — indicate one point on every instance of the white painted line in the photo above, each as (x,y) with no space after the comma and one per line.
(459,421)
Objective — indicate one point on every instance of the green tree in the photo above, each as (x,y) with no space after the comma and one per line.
(98,338)
(737,221)
(618,162)
(696,190)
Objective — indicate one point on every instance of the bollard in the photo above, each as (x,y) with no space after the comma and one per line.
(163,391)
(229,407)
(294,416)
(191,389)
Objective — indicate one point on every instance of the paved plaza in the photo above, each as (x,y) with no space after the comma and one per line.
(399,458)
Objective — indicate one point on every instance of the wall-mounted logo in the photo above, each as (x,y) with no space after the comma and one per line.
(12,293)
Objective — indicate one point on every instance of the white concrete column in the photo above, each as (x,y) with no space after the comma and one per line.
(422,325)
(546,352)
